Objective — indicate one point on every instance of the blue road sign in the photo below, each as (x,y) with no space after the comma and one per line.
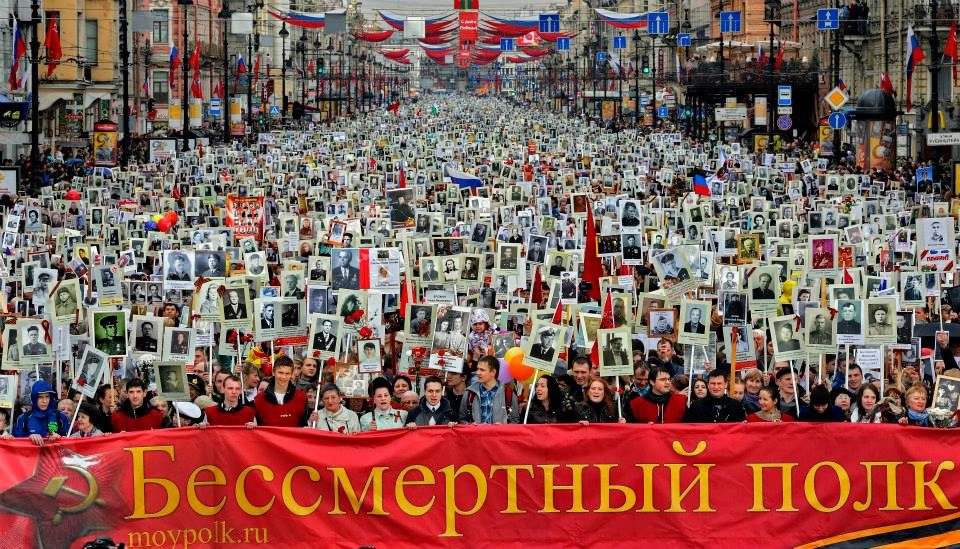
(828,19)
(619,42)
(601,56)
(549,22)
(837,120)
(563,44)
(683,40)
(730,21)
(506,44)
(274,110)
(658,22)
(784,122)
(784,96)
(215,106)
(663,112)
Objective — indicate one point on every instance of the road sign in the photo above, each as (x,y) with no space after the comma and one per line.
(644,99)
(730,114)
(658,22)
(563,44)
(683,40)
(601,56)
(274,110)
(663,112)
(784,122)
(785,110)
(837,120)
(784,96)
(943,138)
(730,22)
(215,106)
(619,42)
(836,98)
(506,44)
(549,22)
(828,19)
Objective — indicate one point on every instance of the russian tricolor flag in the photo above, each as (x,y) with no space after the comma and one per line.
(914,57)
(19,48)
(700,186)
(464,179)
(623,20)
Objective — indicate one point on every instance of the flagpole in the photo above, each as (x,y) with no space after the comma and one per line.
(125,75)
(35,180)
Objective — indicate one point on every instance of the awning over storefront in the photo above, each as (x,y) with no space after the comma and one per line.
(49,98)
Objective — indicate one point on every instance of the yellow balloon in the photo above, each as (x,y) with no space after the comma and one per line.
(514,357)
(156,218)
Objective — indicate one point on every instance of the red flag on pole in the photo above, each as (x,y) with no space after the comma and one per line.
(403,178)
(52,42)
(886,85)
(779,60)
(394,108)
(606,323)
(592,267)
(950,48)
(536,291)
(195,57)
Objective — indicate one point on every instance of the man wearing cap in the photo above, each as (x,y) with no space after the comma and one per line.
(179,271)
(136,414)
(113,343)
(543,349)
(65,303)
(614,353)
(33,347)
(42,287)
(230,411)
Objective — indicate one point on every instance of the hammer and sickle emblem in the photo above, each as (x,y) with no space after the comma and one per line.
(58,484)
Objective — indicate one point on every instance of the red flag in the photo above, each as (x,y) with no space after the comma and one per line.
(394,108)
(779,60)
(52,42)
(403,178)
(536,291)
(196,88)
(195,57)
(175,193)
(256,70)
(847,277)
(606,322)
(950,48)
(592,267)
(886,85)
(558,314)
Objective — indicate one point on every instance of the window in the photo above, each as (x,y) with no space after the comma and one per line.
(161,26)
(161,89)
(92,35)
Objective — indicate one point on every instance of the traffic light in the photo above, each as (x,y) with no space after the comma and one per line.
(320,65)
(645,64)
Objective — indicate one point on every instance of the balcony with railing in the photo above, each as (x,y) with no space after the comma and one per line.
(750,74)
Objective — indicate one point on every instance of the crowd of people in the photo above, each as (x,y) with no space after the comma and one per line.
(472,261)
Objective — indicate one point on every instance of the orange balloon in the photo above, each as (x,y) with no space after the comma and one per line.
(521,372)
(513,356)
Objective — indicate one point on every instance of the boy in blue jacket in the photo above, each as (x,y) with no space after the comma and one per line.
(43,421)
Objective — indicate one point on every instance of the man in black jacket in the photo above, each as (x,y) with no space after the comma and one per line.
(433,408)
(717,407)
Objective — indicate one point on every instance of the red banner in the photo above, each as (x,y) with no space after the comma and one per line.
(245,215)
(740,485)
(468,26)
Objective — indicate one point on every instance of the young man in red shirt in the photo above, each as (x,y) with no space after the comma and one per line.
(281,404)
(231,411)
(659,404)
(136,414)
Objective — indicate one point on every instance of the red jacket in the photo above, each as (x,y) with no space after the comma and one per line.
(292,413)
(647,411)
(144,418)
(241,415)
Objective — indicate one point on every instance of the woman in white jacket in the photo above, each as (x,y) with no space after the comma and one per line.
(334,416)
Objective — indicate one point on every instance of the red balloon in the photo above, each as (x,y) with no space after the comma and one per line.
(164,224)
(172,216)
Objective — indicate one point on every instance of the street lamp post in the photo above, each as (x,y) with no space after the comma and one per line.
(339,78)
(636,78)
(935,56)
(302,50)
(284,33)
(35,178)
(225,14)
(252,46)
(316,73)
(653,80)
(773,15)
(184,98)
(125,75)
